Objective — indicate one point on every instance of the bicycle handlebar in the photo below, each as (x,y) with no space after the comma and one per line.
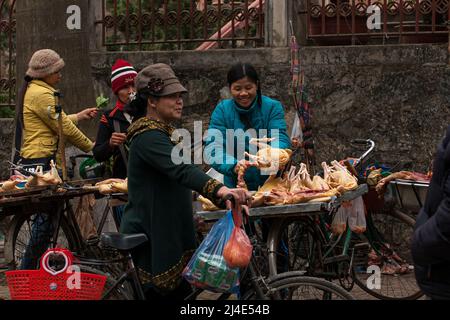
(366,142)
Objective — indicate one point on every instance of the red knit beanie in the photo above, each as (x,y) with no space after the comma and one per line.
(122,74)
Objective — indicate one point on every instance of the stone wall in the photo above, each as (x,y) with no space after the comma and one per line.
(6,139)
(396,95)
(204,75)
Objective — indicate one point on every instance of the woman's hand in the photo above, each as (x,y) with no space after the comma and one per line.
(87,114)
(117,139)
(240,196)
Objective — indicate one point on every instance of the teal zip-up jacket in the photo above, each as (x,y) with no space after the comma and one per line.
(223,150)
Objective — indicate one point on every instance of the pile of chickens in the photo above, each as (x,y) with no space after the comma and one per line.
(19,182)
(38,179)
(299,187)
(295,186)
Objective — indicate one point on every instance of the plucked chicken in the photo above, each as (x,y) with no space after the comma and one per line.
(40,179)
(267,158)
(406,175)
(8,185)
(110,186)
(337,176)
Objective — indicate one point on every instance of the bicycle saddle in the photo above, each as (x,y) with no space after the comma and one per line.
(122,241)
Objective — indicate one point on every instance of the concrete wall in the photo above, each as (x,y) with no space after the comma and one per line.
(395,95)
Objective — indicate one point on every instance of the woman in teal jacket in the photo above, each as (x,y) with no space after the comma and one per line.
(248,109)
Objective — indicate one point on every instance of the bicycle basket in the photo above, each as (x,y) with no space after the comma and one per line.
(47,284)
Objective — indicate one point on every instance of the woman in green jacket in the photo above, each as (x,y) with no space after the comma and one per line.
(159,185)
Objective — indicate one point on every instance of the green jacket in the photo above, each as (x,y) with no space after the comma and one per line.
(40,133)
(160,203)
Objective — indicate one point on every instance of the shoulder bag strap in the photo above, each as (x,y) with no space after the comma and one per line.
(121,147)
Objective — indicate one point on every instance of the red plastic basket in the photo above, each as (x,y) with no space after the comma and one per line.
(47,284)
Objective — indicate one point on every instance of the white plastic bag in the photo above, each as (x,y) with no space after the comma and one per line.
(339,224)
(357,217)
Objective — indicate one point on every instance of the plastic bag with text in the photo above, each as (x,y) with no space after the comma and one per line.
(207,268)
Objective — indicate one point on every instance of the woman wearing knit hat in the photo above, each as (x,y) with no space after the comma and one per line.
(159,188)
(114,122)
(113,126)
(38,123)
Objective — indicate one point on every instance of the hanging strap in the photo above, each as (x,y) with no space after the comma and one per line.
(19,119)
(121,147)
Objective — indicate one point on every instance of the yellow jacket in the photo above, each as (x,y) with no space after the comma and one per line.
(40,133)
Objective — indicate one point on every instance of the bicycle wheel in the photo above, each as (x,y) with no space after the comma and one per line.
(388,234)
(119,292)
(291,286)
(295,245)
(19,235)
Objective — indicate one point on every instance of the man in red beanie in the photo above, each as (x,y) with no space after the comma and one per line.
(114,124)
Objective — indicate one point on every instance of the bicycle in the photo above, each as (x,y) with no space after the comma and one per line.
(285,286)
(310,246)
(66,232)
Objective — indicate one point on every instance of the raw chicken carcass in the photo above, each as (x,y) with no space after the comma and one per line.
(207,204)
(406,175)
(110,186)
(8,185)
(271,184)
(278,197)
(49,178)
(297,182)
(121,186)
(304,181)
(305,196)
(319,183)
(267,158)
(337,176)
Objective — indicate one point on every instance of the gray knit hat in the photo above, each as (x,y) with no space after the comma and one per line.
(159,80)
(43,63)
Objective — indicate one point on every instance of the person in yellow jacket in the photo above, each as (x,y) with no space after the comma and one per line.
(38,116)
(37,121)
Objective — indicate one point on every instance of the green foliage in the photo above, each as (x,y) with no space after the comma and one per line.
(6,112)
(101,101)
